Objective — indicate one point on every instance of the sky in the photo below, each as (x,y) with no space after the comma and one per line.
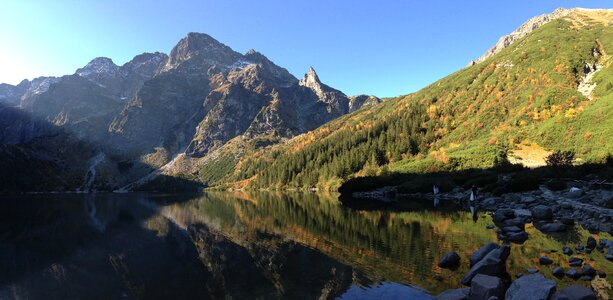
(384,48)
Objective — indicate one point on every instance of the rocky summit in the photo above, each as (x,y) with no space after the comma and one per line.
(157,106)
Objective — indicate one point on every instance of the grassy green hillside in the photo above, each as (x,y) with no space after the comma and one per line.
(470,119)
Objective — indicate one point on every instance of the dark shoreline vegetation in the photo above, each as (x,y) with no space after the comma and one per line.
(519,179)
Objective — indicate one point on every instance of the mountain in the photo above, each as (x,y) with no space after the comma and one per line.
(550,86)
(137,117)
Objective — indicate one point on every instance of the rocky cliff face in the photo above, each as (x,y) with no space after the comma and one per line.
(579,16)
(156,106)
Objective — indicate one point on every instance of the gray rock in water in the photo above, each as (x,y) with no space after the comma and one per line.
(494,263)
(517,237)
(572,273)
(591,242)
(542,212)
(545,260)
(523,213)
(553,227)
(454,294)
(588,270)
(558,272)
(566,250)
(450,260)
(482,252)
(511,229)
(535,287)
(527,199)
(483,287)
(575,262)
(574,292)
(574,193)
(519,222)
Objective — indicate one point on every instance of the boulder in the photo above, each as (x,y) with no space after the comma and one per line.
(502,214)
(534,286)
(602,274)
(517,237)
(553,227)
(511,197)
(483,287)
(518,222)
(542,212)
(566,250)
(591,242)
(482,252)
(567,221)
(609,254)
(511,229)
(454,294)
(605,243)
(575,262)
(523,213)
(494,263)
(573,273)
(545,260)
(527,199)
(588,270)
(574,292)
(574,193)
(450,260)
(558,272)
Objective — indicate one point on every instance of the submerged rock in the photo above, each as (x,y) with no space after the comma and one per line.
(450,260)
(534,286)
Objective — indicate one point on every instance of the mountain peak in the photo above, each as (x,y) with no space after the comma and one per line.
(202,45)
(98,65)
(310,80)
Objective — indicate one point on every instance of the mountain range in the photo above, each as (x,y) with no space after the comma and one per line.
(208,115)
(132,120)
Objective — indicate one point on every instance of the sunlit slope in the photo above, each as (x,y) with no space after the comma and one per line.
(553,86)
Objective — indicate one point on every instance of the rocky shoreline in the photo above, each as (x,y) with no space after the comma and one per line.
(588,204)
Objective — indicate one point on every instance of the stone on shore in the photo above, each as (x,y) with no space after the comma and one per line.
(542,212)
(545,260)
(517,237)
(454,294)
(574,292)
(534,286)
(494,263)
(483,287)
(482,252)
(558,272)
(552,227)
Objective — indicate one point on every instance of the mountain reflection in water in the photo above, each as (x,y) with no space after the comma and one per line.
(242,246)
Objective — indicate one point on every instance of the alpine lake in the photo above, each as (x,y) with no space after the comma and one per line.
(239,245)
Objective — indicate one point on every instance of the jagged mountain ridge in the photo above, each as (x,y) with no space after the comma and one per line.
(573,14)
(156,106)
(551,87)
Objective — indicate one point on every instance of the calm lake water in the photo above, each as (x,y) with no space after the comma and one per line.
(245,246)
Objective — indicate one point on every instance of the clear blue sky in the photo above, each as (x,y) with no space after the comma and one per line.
(381,47)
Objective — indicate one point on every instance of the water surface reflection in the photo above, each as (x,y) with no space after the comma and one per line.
(241,245)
